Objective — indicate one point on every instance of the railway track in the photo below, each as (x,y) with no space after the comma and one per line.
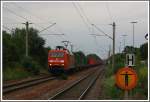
(13,87)
(79,88)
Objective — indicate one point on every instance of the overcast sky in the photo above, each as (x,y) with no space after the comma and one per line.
(73,19)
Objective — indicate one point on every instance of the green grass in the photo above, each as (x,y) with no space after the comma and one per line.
(141,90)
(15,73)
(110,89)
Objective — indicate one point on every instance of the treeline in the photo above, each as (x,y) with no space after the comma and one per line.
(141,55)
(14,50)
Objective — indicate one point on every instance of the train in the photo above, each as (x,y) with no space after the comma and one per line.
(61,60)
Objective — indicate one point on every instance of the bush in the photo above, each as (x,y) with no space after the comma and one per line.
(31,65)
(142,84)
(139,92)
(15,73)
(110,89)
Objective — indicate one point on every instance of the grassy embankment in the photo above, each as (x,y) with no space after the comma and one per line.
(111,91)
(28,68)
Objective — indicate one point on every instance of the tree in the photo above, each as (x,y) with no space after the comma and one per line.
(131,49)
(14,47)
(7,45)
(144,51)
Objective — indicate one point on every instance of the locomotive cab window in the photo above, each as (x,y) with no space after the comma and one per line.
(56,54)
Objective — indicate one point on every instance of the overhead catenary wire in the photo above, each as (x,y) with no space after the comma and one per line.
(10,19)
(96,42)
(27,11)
(83,19)
(87,19)
(94,24)
(102,48)
(14,13)
(11,11)
(101,31)
(90,23)
(35,16)
(47,27)
(40,26)
(52,34)
(108,10)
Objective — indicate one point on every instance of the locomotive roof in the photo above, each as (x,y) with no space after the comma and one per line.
(54,50)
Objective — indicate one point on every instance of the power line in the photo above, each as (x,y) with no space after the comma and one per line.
(96,42)
(11,23)
(15,13)
(19,15)
(84,14)
(29,20)
(108,10)
(51,34)
(31,13)
(47,27)
(91,22)
(101,31)
(26,18)
(11,19)
(87,19)
(81,16)
(28,12)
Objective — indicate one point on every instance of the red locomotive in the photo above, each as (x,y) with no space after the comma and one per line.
(60,60)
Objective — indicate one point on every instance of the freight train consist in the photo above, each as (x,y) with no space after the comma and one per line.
(62,60)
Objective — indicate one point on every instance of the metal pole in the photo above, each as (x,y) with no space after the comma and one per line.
(124,43)
(126,96)
(124,40)
(120,47)
(27,25)
(133,33)
(66,43)
(71,45)
(113,57)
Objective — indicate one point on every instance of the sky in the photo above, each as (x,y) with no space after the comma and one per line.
(74,19)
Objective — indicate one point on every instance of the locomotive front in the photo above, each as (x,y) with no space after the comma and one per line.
(56,61)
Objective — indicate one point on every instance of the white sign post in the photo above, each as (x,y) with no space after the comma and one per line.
(130,60)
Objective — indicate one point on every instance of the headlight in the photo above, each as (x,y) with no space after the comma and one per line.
(62,61)
(51,61)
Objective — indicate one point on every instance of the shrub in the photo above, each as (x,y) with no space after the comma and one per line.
(110,89)
(15,73)
(30,65)
(142,86)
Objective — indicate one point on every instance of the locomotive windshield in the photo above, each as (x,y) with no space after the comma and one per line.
(56,54)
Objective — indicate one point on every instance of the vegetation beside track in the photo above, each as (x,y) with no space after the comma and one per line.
(111,91)
(16,65)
